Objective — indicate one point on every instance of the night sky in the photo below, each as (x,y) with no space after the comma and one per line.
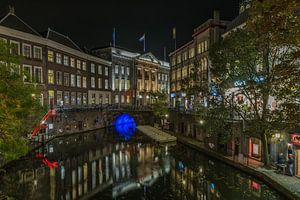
(90,23)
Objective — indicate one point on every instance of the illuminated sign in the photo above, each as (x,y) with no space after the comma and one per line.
(295,139)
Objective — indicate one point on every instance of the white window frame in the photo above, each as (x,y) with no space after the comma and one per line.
(100,69)
(38,67)
(66,60)
(72,62)
(106,71)
(83,64)
(106,84)
(30,66)
(17,43)
(93,82)
(30,50)
(100,83)
(127,71)
(58,55)
(84,81)
(41,52)
(93,68)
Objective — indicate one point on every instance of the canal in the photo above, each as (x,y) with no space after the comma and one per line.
(103,165)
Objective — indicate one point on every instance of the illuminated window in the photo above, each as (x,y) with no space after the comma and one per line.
(93,82)
(117,84)
(117,98)
(66,60)
(79,81)
(84,98)
(92,68)
(73,80)
(72,62)
(78,64)
(99,69)
(58,58)
(59,78)
(122,84)
(50,76)
(127,84)
(127,71)
(116,69)
(73,98)
(66,79)
(67,98)
(106,71)
(50,56)
(51,97)
(106,84)
(84,82)
(84,65)
(122,70)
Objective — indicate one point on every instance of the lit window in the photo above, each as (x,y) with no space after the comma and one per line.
(37,52)
(51,97)
(92,82)
(84,82)
(106,84)
(27,73)
(72,62)
(106,71)
(73,80)
(66,60)
(73,98)
(117,84)
(122,70)
(122,84)
(83,65)
(78,64)
(58,58)
(116,69)
(128,71)
(27,50)
(127,84)
(79,98)
(117,98)
(67,98)
(92,68)
(50,76)
(50,56)
(84,98)
(79,81)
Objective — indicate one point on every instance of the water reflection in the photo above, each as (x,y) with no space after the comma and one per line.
(101,166)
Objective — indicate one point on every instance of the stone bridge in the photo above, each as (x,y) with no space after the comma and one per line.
(79,119)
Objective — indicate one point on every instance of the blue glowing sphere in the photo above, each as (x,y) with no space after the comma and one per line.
(125,126)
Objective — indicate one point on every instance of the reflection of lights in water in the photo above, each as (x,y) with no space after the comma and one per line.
(125,126)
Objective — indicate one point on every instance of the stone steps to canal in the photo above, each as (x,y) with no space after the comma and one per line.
(157,135)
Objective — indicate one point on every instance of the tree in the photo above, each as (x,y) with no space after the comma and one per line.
(160,106)
(259,63)
(19,109)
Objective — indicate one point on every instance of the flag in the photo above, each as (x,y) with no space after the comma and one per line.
(114,37)
(174,33)
(142,38)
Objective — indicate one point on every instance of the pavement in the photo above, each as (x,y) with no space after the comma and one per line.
(283,183)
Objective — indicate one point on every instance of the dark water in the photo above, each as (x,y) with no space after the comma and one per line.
(101,165)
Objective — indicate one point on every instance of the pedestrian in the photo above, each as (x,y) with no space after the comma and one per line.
(290,164)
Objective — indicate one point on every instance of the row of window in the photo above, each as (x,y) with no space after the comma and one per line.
(162,77)
(73,80)
(122,70)
(122,99)
(201,48)
(69,61)
(75,98)
(186,70)
(32,74)
(122,84)
(28,50)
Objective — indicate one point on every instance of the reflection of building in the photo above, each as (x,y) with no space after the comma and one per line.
(84,174)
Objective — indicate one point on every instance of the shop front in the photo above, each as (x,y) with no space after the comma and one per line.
(295,148)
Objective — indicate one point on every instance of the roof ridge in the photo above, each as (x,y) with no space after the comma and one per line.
(65,36)
(26,24)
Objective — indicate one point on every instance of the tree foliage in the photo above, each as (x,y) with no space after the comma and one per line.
(260,62)
(160,106)
(18,106)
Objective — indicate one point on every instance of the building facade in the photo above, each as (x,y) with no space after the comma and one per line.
(191,62)
(54,64)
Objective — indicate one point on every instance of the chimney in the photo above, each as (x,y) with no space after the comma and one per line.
(216,15)
(11,9)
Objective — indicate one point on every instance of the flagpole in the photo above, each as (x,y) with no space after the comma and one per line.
(144,42)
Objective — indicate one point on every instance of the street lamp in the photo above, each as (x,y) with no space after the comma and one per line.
(201,122)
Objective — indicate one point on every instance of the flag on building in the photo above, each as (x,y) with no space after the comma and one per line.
(143,39)
(174,33)
(114,37)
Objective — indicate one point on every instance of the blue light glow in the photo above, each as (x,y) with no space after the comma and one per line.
(125,126)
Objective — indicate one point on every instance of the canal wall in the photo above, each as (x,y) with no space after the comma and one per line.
(287,186)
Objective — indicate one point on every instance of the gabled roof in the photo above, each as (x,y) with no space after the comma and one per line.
(10,20)
(149,57)
(61,39)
